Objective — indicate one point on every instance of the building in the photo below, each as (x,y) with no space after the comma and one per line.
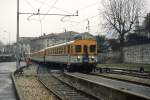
(50,39)
(144,28)
(44,41)
(24,46)
(41,42)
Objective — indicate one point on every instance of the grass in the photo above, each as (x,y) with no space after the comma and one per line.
(126,66)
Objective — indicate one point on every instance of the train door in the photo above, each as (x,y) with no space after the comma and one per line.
(68,55)
(85,54)
(85,50)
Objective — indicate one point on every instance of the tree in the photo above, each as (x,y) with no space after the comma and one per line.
(100,42)
(121,16)
(114,44)
(147,22)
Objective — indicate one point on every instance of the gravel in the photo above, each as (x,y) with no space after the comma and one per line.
(30,87)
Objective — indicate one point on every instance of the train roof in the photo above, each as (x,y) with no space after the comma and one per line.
(57,45)
(61,44)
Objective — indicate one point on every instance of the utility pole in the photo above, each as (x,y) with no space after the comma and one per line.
(17,37)
(67,48)
(88,26)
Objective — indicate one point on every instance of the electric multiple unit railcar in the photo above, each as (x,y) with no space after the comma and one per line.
(76,55)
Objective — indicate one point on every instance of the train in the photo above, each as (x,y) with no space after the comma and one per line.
(74,55)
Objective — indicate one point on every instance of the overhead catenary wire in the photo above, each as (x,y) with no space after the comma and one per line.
(77,23)
(53,6)
(30,5)
(91,26)
(84,8)
(60,9)
(81,9)
(42,4)
(50,9)
(90,5)
(32,14)
(40,20)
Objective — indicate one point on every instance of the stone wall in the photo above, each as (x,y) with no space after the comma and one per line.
(110,57)
(137,54)
(132,54)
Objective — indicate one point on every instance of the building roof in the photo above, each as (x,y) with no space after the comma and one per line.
(61,36)
(85,35)
(25,40)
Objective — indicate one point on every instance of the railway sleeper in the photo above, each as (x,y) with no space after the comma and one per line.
(60,89)
(79,98)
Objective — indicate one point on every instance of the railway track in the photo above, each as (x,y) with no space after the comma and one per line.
(62,90)
(134,73)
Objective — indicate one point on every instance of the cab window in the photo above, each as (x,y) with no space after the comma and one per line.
(92,48)
(78,48)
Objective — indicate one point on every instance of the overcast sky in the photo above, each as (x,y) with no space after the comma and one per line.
(88,9)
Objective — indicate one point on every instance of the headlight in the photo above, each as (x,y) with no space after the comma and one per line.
(92,58)
(78,58)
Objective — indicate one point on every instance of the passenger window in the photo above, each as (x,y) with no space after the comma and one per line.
(92,48)
(78,48)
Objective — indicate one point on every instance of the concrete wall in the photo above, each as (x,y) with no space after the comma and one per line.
(137,54)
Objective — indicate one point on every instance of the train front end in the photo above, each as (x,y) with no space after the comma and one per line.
(84,56)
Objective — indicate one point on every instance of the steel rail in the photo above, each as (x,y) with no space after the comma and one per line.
(60,89)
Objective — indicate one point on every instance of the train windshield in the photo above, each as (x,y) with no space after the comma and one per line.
(78,48)
(92,48)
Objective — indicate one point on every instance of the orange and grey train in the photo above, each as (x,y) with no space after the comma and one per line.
(75,55)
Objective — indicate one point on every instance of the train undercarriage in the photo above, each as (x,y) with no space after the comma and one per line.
(73,67)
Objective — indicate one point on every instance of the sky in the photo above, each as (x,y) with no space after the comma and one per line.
(37,25)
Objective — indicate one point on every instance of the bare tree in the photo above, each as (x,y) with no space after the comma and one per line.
(121,16)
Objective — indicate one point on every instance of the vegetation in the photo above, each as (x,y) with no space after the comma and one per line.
(101,43)
(121,15)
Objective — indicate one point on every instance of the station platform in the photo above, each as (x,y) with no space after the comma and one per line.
(125,87)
